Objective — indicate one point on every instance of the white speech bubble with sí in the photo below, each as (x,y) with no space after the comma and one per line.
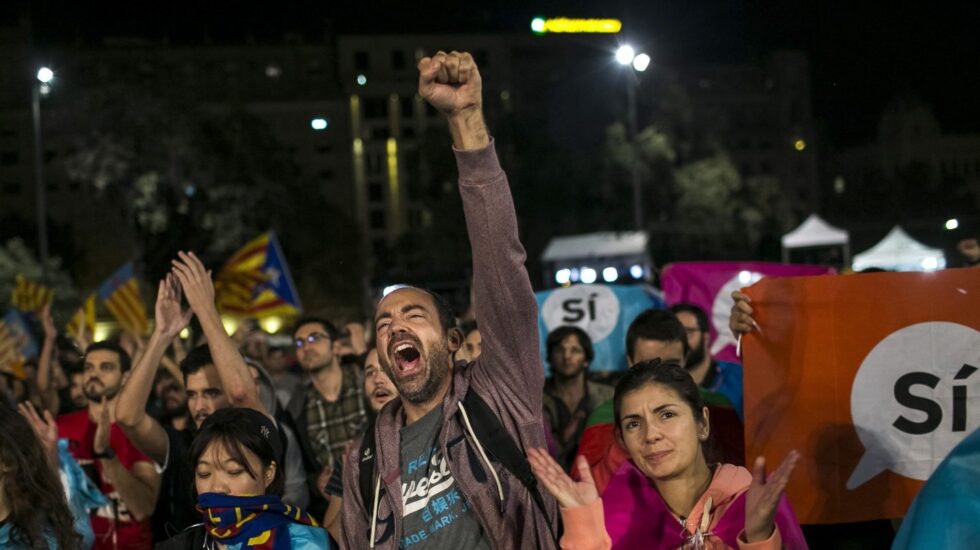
(915,396)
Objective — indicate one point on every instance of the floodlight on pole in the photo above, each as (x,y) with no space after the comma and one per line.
(627,57)
(625,54)
(641,62)
(41,87)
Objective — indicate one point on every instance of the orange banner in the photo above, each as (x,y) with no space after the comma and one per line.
(870,376)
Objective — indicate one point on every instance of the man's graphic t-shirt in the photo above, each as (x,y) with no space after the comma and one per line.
(114,527)
(436,514)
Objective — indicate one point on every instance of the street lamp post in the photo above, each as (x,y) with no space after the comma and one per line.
(626,56)
(44,76)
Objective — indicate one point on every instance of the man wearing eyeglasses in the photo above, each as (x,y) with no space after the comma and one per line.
(330,409)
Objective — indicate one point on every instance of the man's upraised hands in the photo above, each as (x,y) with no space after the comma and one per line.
(169,319)
(195,282)
(451,83)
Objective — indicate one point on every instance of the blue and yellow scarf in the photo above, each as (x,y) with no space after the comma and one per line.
(257,523)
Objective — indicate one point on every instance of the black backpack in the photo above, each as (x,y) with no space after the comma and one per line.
(496,441)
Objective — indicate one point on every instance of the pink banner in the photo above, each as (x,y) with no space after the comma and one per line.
(709,285)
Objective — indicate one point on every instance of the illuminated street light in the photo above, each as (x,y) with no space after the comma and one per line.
(952,224)
(627,57)
(40,88)
(361,80)
(45,75)
(625,54)
(641,62)
(319,124)
(537,25)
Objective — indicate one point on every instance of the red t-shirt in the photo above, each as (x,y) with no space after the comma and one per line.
(128,533)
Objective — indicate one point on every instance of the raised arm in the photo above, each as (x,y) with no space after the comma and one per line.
(506,309)
(142,429)
(137,487)
(235,376)
(45,362)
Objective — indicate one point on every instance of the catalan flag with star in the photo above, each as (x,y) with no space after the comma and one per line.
(30,296)
(83,317)
(121,295)
(256,282)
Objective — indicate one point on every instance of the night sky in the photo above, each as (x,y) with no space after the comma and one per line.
(862,54)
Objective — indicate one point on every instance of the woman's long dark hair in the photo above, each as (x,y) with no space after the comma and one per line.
(31,488)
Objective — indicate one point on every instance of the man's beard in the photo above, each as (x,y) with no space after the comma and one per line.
(435,373)
(316,367)
(558,375)
(107,393)
(170,412)
(696,355)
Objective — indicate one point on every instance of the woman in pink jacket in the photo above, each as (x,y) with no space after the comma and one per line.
(667,495)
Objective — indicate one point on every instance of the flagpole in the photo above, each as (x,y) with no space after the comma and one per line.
(42,225)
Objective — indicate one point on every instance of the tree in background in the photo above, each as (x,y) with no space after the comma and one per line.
(190,178)
(696,204)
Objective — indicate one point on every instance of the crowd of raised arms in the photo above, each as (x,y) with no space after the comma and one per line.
(416,429)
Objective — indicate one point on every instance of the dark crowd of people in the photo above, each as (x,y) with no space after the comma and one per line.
(414,430)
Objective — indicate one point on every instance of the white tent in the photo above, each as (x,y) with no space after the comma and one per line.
(900,252)
(814,231)
(575,258)
(591,245)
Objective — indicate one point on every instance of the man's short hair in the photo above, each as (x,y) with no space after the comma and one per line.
(196,360)
(328,327)
(556,336)
(694,310)
(468,327)
(656,324)
(447,317)
(109,345)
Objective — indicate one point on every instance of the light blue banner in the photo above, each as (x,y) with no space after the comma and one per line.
(603,311)
(20,331)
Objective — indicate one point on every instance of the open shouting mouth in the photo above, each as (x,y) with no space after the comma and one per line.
(407,357)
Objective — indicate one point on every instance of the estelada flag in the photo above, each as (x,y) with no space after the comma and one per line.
(84,316)
(870,376)
(256,281)
(121,295)
(709,285)
(30,296)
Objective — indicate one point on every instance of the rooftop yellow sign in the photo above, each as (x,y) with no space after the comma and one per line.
(540,25)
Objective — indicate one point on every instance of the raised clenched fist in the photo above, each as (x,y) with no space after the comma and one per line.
(451,83)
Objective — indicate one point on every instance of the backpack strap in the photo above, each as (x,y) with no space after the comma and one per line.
(367,457)
(495,439)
